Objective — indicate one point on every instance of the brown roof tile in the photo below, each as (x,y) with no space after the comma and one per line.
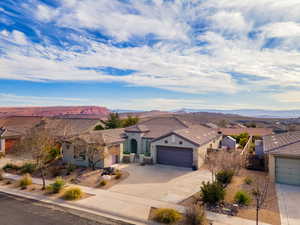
(250,131)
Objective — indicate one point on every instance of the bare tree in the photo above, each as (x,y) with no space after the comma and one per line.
(93,147)
(223,160)
(38,142)
(260,193)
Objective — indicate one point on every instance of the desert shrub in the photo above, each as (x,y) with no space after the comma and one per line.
(224,177)
(25,180)
(167,216)
(9,182)
(2,155)
(118,175)
(70,168)
(28,167)
(11,166)
(57,186)
(248,180)
(103,183)
(243,142)
(195,215)
(212,193)
(73,193)
(242,198)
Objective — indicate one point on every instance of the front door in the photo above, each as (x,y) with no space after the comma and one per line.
(133,146)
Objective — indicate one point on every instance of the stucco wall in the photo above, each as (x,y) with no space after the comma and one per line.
(202,150)
(173,141)
(228,142)
(199,153)
(2,145)
(271,163)
(68,157)
(138,138)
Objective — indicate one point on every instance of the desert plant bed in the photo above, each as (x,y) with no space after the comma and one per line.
(244,182)
(36,189)
(183,221)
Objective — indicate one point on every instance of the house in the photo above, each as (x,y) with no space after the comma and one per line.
(228,142)
(250,131)
(76,149)
(70,126)
(282,152)
(13,127)
(259,149)
(171,141)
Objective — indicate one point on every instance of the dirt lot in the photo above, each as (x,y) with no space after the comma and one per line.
(36,188)
(270,211)
(76,175)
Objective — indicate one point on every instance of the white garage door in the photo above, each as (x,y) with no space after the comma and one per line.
(288,171)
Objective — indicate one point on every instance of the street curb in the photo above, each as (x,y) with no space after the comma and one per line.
(71,205)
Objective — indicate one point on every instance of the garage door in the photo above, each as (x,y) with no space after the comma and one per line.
(288,171)
(175,156)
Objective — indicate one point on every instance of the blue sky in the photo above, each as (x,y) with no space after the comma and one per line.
(151,54)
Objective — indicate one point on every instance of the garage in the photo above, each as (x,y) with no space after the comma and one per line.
(287,170)
(175,156)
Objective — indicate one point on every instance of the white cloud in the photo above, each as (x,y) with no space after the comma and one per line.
(175,62)
(46,13)
(7,99)
(282,30)
(288,97)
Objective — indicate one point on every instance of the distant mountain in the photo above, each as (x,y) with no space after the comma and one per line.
(250,112)
(78,111)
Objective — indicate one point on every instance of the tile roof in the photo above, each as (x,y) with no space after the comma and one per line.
(158,126)
(281,142)
(197,134)
(109,136)
(288,150)
(20,124)
(250,131)
(70,126)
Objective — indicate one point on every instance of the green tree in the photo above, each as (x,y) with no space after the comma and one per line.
(113,121)
(129,121)
(99,127)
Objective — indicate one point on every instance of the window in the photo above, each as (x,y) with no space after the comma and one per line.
(79,153)
(180,142)
(166,142)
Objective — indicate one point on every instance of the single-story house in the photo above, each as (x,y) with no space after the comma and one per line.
(171,141)
(70,126)
(283,155)
(103,147)
(251,131)
(228,142)
(13,127)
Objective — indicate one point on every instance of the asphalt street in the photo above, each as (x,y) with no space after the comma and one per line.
(20,211)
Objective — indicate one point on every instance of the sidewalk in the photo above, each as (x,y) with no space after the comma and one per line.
(120,206)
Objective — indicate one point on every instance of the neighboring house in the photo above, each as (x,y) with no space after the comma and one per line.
(251,131)
(282,152)
(212,125)
(259,149)
(75,149)
(228,142)
(70,126)
(171,141)
(13,127)
(2,140)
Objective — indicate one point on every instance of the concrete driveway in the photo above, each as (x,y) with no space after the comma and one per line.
(163,183)
(288,201)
